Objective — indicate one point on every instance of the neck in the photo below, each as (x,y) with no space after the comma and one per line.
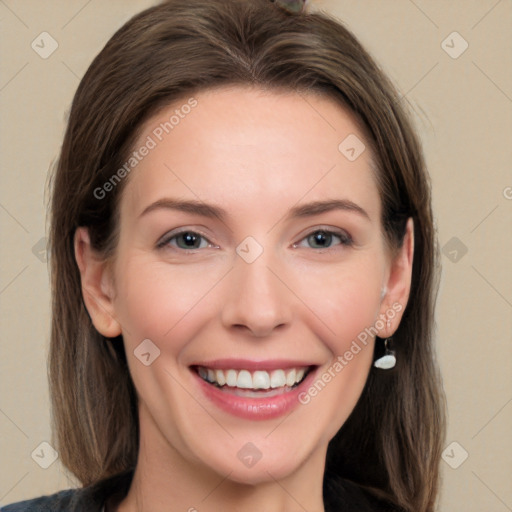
(165,480)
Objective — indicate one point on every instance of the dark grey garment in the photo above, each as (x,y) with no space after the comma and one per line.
(86,499)
(343,496)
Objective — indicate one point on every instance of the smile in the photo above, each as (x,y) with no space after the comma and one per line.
(259,379)
(253,393)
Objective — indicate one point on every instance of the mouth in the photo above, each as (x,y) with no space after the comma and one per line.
(255,384)
(254,391)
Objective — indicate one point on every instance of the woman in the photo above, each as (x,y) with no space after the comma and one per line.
(243,273)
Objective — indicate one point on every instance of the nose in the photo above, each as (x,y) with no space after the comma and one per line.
(257,299)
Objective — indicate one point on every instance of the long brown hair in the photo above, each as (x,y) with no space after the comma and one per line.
(391,443)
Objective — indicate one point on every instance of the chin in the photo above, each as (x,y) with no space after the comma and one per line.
(256,471)
(261,473)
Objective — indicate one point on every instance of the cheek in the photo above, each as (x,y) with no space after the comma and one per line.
(349,308)
(163,302)
(346,309)
(156,300)
(345,300)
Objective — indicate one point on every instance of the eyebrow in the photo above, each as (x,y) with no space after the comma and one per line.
(211,211)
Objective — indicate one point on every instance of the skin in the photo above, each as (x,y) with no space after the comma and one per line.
(256,154)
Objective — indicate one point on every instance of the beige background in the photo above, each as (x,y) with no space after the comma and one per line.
(463,109)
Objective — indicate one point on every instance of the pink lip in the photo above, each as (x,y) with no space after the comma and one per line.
(254,408)
(251,365)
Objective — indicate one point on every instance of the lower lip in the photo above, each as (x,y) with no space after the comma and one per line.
(254,408)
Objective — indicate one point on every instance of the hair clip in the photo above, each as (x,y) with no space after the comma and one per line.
(291,6)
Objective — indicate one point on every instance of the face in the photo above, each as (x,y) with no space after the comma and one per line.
(252,262)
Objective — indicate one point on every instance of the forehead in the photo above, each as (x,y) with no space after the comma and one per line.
(245,147)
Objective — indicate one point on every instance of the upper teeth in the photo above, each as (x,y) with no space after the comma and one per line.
(259,379)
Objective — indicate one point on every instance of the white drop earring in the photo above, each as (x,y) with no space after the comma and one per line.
(388,360)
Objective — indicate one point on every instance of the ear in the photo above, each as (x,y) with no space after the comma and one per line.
(97,285)
(397,286)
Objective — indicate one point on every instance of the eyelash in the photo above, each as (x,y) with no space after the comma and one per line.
(345,239)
